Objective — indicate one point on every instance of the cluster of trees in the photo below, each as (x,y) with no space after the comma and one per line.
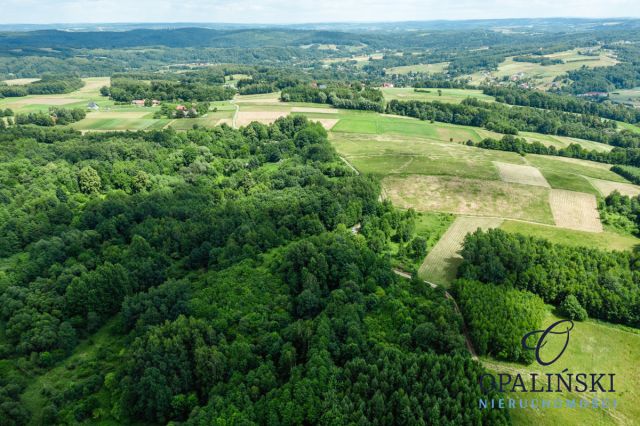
(538,59)
(510,120)
(604,79)
(55,116)
(238,289)
(266,80)
(621,211)
(192,110)
(47,85)
(497,318)
(189,89)
(8,112)
(345,96)
(557,102)
(605,283)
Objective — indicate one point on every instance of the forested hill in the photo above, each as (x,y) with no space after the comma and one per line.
(180,37)
(208,275)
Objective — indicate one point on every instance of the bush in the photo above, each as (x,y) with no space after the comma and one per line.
(572,309)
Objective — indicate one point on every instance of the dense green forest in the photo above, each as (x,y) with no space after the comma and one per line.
(220,266)
(497,318)
(605,283)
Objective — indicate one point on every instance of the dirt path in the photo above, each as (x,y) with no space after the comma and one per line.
(350,165)
(442,261)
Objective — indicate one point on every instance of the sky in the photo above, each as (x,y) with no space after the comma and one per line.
(302,11)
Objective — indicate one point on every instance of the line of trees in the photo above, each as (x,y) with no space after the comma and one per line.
(557,102)
(510,120)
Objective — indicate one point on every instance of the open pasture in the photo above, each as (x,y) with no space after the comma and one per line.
(435,68)
(564,142)
(575,210)
(78,99)
(629,96)
(605,240)
(427,94)
(606,187)
(392,154)
(525,175)
(441,264)
(475,197)
(543,75)
(572,174)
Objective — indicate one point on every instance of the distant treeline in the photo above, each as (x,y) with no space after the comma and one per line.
(510,120)
(605,283)
(538,99)
(47,85)
(347,97)
(542,60)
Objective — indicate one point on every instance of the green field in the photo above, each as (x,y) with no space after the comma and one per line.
(628,96)
(543,75)
(594,347)
(607,240)
(424,68)
(78,99)
(441,95)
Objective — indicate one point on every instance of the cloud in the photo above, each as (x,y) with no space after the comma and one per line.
(296,11)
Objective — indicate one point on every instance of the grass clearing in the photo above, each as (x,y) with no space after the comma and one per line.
(525,175)
(383,155)
(606,240)
(442,262)
(543,75)
(594,347)
(435,68)
(563,141)
(425,94)
(575,210)
(606,187)
(470,197)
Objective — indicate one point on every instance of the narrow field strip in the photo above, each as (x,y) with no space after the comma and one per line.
(606,187)
(575,210)
(442,262)
(526,175)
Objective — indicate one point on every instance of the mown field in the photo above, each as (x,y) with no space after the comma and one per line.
(430,94)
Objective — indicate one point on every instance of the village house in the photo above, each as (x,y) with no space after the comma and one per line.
(389,85)
(93,106)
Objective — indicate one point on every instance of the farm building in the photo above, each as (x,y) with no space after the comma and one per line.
(93,106)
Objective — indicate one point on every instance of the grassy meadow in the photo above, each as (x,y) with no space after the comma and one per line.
(543,75)
(428,94)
